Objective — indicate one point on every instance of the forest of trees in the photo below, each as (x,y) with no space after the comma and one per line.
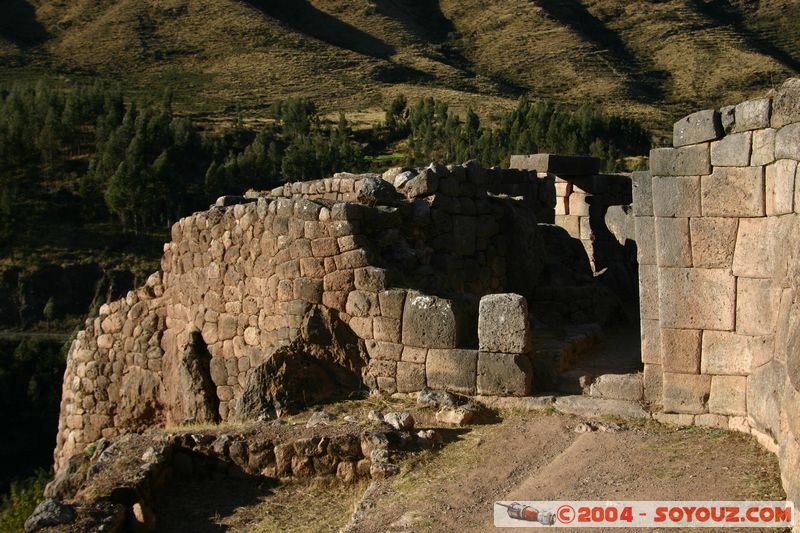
(145,165)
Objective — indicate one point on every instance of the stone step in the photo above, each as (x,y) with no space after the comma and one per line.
(580,405)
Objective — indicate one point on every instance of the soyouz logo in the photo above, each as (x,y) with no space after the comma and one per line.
(662,514)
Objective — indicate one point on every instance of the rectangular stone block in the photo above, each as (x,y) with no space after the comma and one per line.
(728,395)
(503,324)
(688,161)
(653,383)
(384,351)
(731,354)
(696,298)
(651,341)
(578,204)
(413,354)
(686,393)
(571,224)
(410,377)
(786,104)
(642,191)
(713,241)
(672,242)
(504,374)
(757,303)
(780,187)
(698,127)
(753,257)
(763,147)
(787,142)
(429,322)
(676,196)
(680,350)
(645,240)
(452,370)
(732,150)
(733,192)
(753,114)
(648,292)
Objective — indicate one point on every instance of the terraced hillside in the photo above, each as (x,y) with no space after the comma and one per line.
(647,58)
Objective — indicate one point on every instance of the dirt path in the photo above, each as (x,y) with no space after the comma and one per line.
(540,457)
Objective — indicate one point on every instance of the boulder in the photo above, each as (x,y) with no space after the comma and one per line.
(49,513)
(430,322)
(376,191)
(399,421)
(503,324)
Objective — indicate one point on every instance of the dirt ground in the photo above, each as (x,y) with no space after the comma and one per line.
(527,456)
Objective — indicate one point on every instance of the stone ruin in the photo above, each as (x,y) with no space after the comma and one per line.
(275,300)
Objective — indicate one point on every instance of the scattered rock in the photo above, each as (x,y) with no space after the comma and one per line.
(351,419)
(142,518)
(320,418)
(434,398)
(428,438)
(457,416)
(375,416)
(400,421)
(49,513)
(591,426)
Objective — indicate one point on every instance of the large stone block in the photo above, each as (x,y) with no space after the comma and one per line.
(733,192)
(560,165)
(764,397)
(618,387)
(732,150)
(676,196)
(753,114)
(430,322)
(687,161)
(686,393)
(780,187)
(452,370)
(642,190)
(503,324)
(672,242)
(504,374)
(696,298)
(757,303)
(698,127)
(763,147)
(787,142)
(753,257)
(648,292)
(713,241)
(645,240)
(680,350)
(651,341)
(653,383)
(731,354)
(410,377)
(786,104)
(728,395)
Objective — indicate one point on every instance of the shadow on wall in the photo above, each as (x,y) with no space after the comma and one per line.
(302,16)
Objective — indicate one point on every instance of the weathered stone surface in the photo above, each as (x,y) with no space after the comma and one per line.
(674,419)
(429,322)
(680,350)
(376,191)
(618,387)
(786,104)
(728,395)
(452,370)
(651,341)
(764,395)
(753,257)
(503,324)
(757,302)
(400,420)
(410,376)
(732,150)
(425,183)
(696,298)
(711,420)
(733,192)
(646,240)
(728,353)
(596,407)
(672,242)
(642,190)
(504,374)
(653,383)
(787,142)
(648,292)
(686,393)
(728,117)
(713,241)
(763,147)
(687,161)
(780,177)
(698,127)
(753,114)
(50,513)
(676,196)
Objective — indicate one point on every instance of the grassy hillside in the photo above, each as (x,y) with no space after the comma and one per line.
(649,59)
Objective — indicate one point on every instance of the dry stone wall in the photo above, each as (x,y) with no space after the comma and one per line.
(717,230)
(404,271)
